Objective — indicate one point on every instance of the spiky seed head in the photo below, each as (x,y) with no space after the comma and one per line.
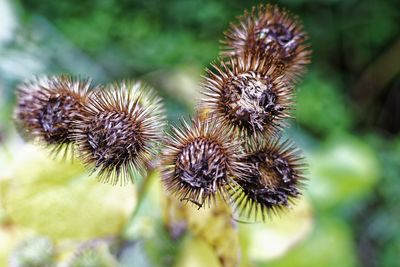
(199,161)
(119,131)
(274,33)
(274,179)
(92,253)
(48,106)
(35,251)
(245,94)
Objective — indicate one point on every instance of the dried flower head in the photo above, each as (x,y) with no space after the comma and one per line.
(199,161)
(275,34)
(47,108)
(246,95)
(273,179)
(119,131)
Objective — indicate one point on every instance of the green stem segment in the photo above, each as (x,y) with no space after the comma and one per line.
(142,190)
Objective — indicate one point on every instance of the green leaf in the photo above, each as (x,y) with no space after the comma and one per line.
(274,238)
(321,106)
(344,169)
(59,199)
(197,253)
(330,245)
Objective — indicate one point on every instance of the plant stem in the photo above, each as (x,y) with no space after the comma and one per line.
(141,195)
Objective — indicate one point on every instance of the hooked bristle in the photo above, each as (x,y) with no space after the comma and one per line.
(199,162)
(275,34)
(47,108)
(274,179)
(119,131)
(246,95)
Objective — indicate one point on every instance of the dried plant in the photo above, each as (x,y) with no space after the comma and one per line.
(119,131)
(274,33)
(47,108)
(274,178)
(233,153)
(247,95)
(199,161)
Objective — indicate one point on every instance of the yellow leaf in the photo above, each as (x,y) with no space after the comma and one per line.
(59,200)
(212,225)
(266,241)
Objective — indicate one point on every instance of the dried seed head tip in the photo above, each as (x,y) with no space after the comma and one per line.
(246,94)
(275,34)
(199,161)
(275,176)
(120,130)
(48,106)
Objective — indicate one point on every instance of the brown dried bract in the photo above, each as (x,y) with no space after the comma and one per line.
(273,33)
(47,108)
(199,161)
(274,178)
(119,131)
(247,95)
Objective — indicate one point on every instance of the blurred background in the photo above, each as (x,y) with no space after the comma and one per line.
(347,122)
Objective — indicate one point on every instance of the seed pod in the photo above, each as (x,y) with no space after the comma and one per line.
(47,108)
(246,95)
(199,161)
(273,179)
(119,131)
(275,34)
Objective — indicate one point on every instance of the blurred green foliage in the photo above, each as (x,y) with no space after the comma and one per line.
(349,130)
(321,108)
